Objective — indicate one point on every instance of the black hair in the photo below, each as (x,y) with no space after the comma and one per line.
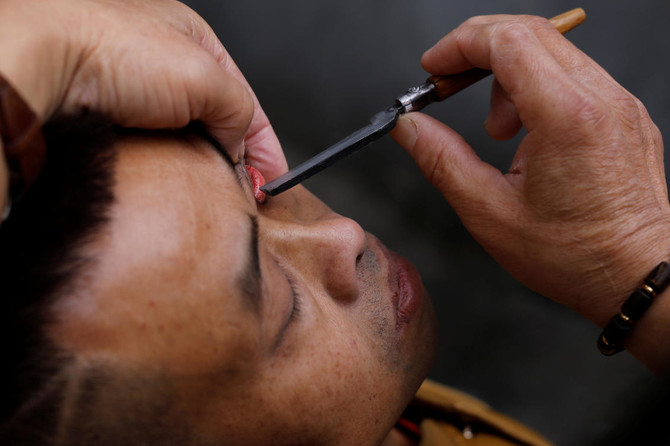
(41,255)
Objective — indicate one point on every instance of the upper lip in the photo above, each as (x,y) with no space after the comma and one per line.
(391,271)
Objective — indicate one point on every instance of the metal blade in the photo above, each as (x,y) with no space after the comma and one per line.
(380,124)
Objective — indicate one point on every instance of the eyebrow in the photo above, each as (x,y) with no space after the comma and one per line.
(199,131)
(249,280)
(218,148)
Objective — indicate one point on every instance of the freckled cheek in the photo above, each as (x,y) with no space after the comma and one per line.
(329,378)
(176,343)
(342,369)
(353,390)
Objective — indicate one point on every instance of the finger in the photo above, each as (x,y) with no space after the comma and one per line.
(139,87)
(470,185)
(483,41)
(541,90)
(575,62)
(227,115)
(262,147)
(445,57)
(503,121)
(217,98)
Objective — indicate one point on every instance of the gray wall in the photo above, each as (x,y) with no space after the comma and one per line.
(321,69)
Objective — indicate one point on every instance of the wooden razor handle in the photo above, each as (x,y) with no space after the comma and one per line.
(446,86)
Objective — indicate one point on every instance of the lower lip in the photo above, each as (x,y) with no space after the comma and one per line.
(408,290)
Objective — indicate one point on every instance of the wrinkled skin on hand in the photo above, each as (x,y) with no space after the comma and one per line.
(146,63)
(582,215)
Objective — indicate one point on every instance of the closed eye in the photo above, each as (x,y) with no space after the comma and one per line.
(297,303)
(296,307)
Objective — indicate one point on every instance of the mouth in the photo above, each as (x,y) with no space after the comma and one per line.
(406,288)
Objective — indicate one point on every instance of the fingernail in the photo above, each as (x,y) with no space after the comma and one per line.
(427,56)
(406,132)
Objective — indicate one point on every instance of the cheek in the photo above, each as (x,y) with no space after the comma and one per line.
(335,381)
(161,327)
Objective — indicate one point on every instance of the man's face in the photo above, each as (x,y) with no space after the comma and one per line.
(275,323)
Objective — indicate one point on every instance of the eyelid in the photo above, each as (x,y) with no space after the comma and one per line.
(244,180)
(257,181)
(297,303)
(243,174)
(253,180)
(295,309)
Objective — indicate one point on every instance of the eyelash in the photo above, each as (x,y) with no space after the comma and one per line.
(244,175)
(296,308)
(297,304)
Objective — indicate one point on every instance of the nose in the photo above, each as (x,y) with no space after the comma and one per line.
(324,250)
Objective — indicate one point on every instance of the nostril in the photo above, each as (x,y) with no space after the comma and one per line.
(257,181)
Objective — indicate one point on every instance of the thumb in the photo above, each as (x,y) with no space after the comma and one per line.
(474,188)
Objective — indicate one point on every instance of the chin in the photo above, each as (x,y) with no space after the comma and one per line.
(422,349)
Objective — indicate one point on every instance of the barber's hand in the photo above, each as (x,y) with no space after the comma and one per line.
(144,63)
(582,216)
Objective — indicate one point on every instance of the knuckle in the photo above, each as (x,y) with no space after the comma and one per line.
(248,104)
(647,123)
(589,109)
(247,107)
(657,136)
(632,106)
(640,106)
(509,36)
(537,23)
(511,31)
(196,68)
(634,116)
(507,42)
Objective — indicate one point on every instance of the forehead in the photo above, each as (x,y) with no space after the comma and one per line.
(178,200)
(170,256)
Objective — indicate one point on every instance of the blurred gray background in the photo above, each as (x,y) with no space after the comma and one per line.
(321,69)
